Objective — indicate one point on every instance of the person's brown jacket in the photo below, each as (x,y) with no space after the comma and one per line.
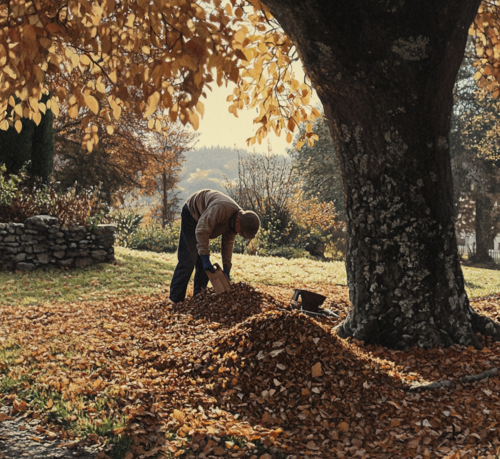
(216,214)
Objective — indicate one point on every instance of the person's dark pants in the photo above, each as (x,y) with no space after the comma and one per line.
(188,257)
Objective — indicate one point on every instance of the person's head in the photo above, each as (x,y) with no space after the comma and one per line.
(247,224)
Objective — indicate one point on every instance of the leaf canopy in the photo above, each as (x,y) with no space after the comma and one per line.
(168,51)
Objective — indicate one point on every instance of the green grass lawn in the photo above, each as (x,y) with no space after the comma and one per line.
(149,273)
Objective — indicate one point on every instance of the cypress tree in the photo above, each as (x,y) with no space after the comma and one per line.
(34,143)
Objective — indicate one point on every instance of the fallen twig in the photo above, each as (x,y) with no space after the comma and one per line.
(453,382)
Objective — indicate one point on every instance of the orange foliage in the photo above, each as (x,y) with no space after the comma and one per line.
(315,214)
(162,175)
(122,153)
(170,52)
(486,32)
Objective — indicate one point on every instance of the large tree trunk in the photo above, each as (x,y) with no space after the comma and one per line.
(485,228)
(384,71)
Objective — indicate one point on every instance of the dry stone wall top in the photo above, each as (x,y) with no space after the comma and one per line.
(41,241)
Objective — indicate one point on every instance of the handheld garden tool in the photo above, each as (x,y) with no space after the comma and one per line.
(219,280)
(311,301)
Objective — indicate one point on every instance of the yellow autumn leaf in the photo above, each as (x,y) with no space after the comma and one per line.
(37,117)
(110,129)
(92,104)
(73,111)
(194,120)
(201,108)
(54,106)
(179,415)
(18,125)
(152,104)
(84,60)
(101,87)
(24,94)
(113,77)
(117,110)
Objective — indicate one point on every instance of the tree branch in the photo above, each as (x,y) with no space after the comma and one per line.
(451,383)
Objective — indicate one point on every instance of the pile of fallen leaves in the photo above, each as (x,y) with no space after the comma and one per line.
(241,374)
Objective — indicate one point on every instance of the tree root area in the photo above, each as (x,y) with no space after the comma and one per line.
(452,383)
(423,335)
(485,325)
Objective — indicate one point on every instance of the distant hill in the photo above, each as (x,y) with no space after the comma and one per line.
(206,168)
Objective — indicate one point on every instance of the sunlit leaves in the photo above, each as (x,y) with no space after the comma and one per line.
(485,30)
(73,111)
(168,51)
(92,104)
(194,120)
(152,103)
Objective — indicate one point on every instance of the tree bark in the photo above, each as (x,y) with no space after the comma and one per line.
(384,71)
(485,229)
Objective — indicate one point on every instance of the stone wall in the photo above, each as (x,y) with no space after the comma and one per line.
(41,241)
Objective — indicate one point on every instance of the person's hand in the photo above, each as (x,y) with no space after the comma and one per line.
(207,265)
(226,272)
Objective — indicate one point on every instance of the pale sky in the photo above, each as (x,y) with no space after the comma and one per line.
(219,127)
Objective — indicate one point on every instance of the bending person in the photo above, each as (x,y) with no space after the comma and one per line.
(206,215)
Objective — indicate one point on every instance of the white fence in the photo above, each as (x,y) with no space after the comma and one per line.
(495,254)
(468,250)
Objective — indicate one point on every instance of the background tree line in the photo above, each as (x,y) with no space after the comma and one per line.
(81,152)
(299,197)
(474,147)
(92,148)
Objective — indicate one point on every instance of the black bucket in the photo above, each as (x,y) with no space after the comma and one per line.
(311,301)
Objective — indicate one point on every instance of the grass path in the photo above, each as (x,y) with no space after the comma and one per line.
(149,273)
